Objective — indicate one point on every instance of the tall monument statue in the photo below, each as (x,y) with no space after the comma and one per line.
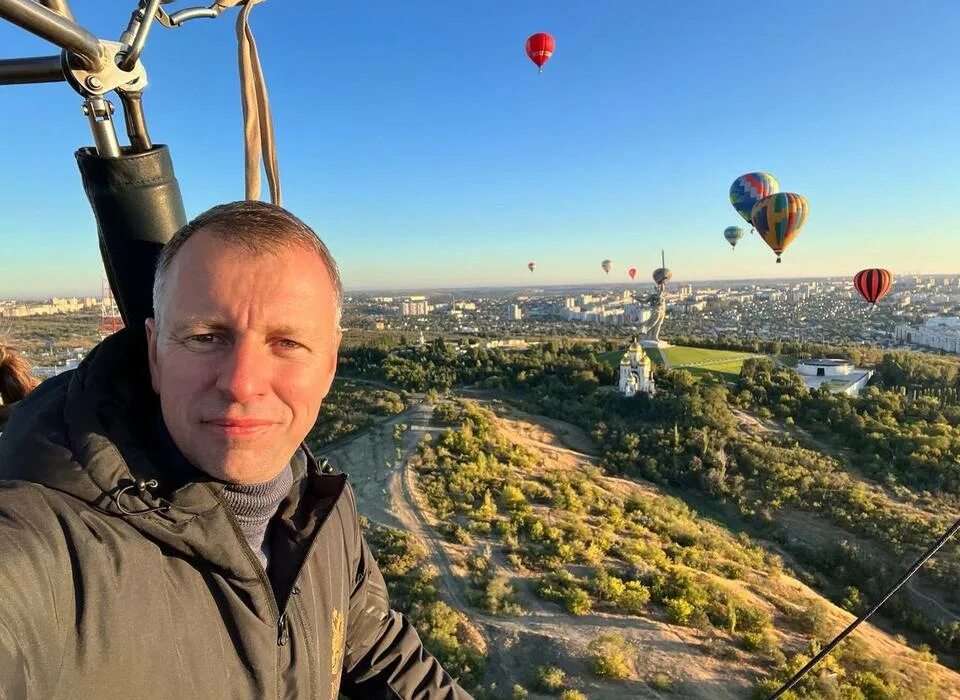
(651,330)
(658,302)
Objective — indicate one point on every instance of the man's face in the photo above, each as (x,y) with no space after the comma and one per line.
(244,354)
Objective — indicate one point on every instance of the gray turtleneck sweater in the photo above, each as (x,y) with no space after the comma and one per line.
(254,505)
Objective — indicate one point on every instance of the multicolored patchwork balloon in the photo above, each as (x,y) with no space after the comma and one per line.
(662,275)
(779,218)
(749,189)
(873,283)
(531,266)
(733,234)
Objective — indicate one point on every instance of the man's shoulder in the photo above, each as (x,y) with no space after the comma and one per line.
(32,522)
(31,504)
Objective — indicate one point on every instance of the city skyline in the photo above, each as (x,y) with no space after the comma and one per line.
(674,284)
(436,156)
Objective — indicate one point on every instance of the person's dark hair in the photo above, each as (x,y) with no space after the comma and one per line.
(15,378)
(257,228)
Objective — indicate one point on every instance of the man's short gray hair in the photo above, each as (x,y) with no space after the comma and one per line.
(255,227)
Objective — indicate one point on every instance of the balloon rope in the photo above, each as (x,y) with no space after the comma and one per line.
(856,623)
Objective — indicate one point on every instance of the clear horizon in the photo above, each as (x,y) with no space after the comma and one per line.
(437,156)
(675,282)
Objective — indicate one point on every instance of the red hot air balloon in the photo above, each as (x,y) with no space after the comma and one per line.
(873,283)
(632,272)
(540,48)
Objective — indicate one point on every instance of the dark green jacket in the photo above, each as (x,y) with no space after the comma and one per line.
(114,589)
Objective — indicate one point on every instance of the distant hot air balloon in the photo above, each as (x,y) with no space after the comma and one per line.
(873,283)
(749,189)
(532,266)
(632,272)
(779,218)
(607,265)
(733,234)
(540,48)
(662,275)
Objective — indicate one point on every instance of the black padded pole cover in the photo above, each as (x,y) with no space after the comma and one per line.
(137,203)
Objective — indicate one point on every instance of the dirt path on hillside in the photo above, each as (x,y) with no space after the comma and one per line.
(387,493)
(377,463)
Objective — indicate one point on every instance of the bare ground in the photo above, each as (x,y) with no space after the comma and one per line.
(378,465)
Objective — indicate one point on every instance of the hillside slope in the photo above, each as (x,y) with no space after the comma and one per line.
(533,548)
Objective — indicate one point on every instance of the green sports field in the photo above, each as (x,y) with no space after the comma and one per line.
(702,362)
(679,356)
(727,371)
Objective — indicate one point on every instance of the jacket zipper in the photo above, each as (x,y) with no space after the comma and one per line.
(283,635)
(252,558)
(295,591)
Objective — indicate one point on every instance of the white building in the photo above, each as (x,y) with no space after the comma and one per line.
(839,376)
(414,307)
(635,313)
(636,372)
(941,333)
(513,313)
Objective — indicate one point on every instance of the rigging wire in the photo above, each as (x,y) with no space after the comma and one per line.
(856,623)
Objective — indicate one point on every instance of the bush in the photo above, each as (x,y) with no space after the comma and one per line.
(874,687)
(634,598)
(752,641)
(607,587)
(571,694)
(612,656)
(512,498)
(767,687)
(661,681)
(813,619)
(498,597)
(852,600)
(479,527)
(454,532)
(577,601)
(519,692)
(679,611)
(752,619)
(551,678)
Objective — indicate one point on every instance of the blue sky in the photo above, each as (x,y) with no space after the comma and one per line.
(422,145)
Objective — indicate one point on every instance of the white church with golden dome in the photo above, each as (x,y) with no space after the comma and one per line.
(636,372)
